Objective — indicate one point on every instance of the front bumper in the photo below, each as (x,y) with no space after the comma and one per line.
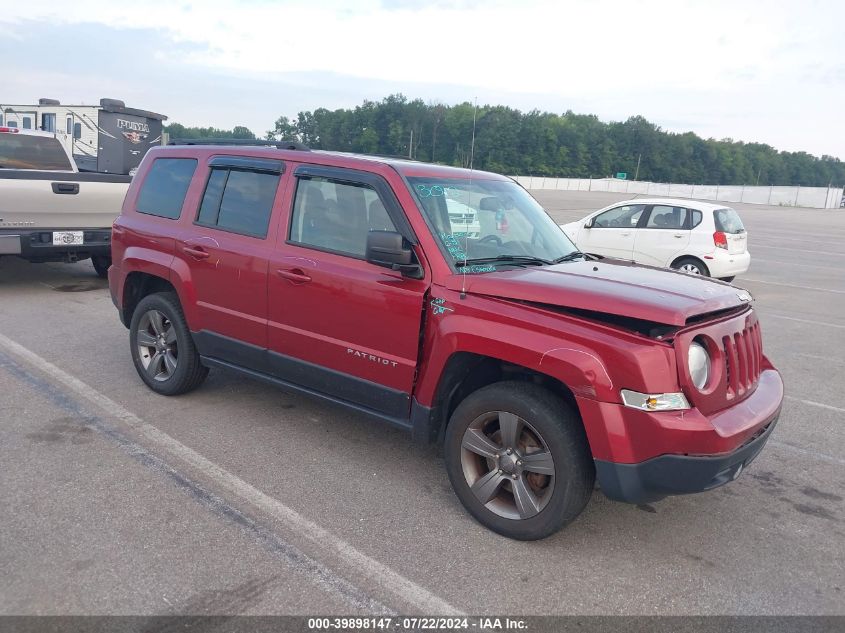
(36,245)
(667,475)
(644,456)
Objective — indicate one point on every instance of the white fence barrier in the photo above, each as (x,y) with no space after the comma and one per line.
(813,197)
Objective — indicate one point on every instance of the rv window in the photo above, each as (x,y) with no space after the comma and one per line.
(69,125)
(165,186)
(48,122)
(27,123)
(77,130)
(12,124)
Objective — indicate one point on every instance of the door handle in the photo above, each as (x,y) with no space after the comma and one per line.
(195,252)
(70,188)
(679,235)
(296,275)
(625,234)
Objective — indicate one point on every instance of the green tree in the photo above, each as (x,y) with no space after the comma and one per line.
(540,143)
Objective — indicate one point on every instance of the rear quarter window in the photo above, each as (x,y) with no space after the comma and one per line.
(163,190)
(695,218)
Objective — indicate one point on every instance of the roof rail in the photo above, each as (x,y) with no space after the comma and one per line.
(236,141)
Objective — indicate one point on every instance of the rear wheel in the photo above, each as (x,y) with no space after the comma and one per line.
(691,266)
(162,348)
(101,265)
(518,460)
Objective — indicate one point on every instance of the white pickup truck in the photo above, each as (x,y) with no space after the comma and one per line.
(49,211)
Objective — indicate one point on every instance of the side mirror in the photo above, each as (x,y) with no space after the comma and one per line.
(589,223)
(388,249)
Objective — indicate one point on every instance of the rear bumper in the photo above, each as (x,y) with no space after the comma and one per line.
(36,245)
(678,474)
(723,264)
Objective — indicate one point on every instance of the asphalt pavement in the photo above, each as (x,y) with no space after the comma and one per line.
(241,498)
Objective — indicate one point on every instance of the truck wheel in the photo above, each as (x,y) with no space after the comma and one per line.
(518,459)
(691,266)
(101,265)
(162,348)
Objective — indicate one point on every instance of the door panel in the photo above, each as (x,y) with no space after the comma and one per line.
(226,244)
(337,323)
(663,236)
(612,232)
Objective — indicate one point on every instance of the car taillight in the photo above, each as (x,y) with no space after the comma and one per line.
(720,239)
(8,129)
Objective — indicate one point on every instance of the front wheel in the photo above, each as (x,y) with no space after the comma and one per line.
(518,460)
(691,266)
(162,348)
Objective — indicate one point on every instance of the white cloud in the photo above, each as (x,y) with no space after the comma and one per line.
(715,59)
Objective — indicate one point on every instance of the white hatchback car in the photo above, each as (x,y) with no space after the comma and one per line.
(699,238)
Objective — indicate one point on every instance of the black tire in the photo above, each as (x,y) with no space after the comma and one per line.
(175,353)
(685,264)
(541,415)
(101,265)
(728,279)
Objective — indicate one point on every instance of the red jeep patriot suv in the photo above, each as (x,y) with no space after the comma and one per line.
(446,302)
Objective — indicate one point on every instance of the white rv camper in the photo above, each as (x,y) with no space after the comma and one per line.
(109,137)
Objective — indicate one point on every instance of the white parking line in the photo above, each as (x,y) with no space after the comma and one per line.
(753,246)
(810,321)
(805,451)
(829,359)
(777,283)
(389,580)
(755,259)
(813,403)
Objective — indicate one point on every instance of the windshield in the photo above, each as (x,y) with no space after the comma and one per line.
(483,220)
(727,220)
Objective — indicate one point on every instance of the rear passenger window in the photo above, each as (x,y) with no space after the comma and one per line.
(239,200)
(665,217)
(163,191)
(337,216)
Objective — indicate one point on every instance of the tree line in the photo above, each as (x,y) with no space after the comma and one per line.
(539,143)
(177,130)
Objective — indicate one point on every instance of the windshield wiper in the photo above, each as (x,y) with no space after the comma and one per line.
(525,260)
(569,257)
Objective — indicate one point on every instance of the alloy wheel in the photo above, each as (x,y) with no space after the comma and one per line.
(507,465)
(690,269)
(157,345)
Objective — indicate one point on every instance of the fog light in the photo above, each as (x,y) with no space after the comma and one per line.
(654,401)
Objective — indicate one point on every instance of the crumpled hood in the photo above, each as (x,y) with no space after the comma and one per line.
(609,286)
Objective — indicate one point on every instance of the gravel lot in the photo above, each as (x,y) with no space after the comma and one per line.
(239,498)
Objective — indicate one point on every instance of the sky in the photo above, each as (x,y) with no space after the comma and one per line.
(757,71)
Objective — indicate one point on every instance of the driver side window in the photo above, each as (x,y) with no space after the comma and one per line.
(624,217)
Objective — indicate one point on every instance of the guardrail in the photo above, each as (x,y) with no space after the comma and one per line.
(812,197)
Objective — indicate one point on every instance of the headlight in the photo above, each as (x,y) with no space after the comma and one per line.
(699,365)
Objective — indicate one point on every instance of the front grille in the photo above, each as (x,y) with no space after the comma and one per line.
(743,359)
